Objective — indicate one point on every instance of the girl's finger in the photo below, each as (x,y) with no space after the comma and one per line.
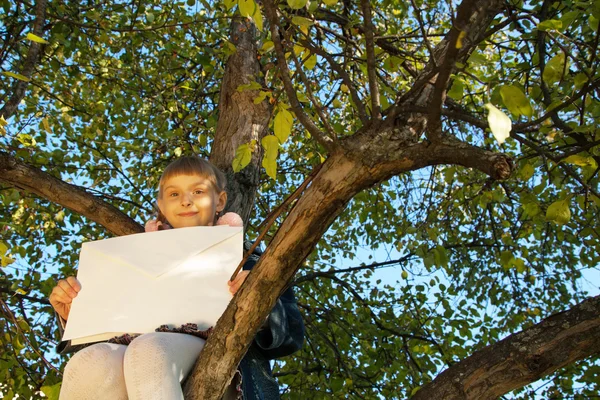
(74,283)
(66,287)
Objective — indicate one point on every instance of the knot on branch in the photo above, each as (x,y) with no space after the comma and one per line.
(502,167)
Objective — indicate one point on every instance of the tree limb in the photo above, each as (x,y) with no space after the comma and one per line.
(521,358)
(23,176)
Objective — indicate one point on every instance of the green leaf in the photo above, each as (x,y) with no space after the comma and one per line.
(500,124)
(330,2)
(271,145)
(515,100)
(51,392)
(581,161)
(301,21)
(262,95)
(247,8)
(258,18)
(243,156)
(526,172)
(555,69)
(580,80)
(16,76)
(249,86)
(550,25)
(456,91)
(37,39)
(404,275)
(3,123)
(282,125)
(26,140)
(559,212)
(297,4)
(229,3)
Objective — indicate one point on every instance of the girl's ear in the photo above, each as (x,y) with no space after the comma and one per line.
(222,201)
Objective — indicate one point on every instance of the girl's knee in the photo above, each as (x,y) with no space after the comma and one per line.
(97,369)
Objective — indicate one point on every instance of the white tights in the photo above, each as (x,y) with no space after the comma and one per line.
(151,367)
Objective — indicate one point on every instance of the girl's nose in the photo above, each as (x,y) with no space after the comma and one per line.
(185,200)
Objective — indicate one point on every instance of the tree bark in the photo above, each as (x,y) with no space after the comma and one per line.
(23,176)
(240,120)
(521,358)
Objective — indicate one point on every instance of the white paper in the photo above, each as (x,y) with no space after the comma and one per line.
(133,284)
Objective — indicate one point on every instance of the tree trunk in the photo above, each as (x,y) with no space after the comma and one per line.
(240,120)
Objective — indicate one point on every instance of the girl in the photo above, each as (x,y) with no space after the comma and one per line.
(152,366)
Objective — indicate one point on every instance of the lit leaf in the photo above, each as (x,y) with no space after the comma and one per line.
(297,4)
(581,161)
(178,151)
(229,3)
(16,76)
(3,123)
(301,21)
(311,61)
(559,212)
(243,156)
(262,95)
(267,46)
(271,145)
(51,392)
(282,125)
(258,18)
(26,140)
(330,2)
(499,122)
(37,39)
(550,25)
(516,101)
(249,86)
(555,68)
(456,91)
(460,38)
(247,8)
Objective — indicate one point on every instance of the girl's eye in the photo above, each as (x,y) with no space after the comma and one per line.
(174,194)
(198,191)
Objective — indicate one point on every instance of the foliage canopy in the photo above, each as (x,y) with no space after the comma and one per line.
(119,89)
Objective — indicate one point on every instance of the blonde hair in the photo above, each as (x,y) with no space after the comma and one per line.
(191,165)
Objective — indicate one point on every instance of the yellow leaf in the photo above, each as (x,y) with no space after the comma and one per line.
(271,145)
(459,39)
(16,76)
(311,61)
(581,161)
(37,39)
(46,125)
(282,125)
(330,2)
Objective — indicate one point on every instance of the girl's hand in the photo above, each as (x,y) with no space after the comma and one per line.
(63,294)
(235,284)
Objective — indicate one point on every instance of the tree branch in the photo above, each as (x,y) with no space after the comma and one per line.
(23,176)
(326,141)
(29,64)
(373,85)
(521,358)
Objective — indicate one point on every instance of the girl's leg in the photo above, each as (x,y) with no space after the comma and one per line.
(95,372)
(156,363)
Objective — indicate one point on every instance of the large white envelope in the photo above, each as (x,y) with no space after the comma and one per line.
(133,284)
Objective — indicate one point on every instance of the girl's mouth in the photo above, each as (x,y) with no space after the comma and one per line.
(188,214)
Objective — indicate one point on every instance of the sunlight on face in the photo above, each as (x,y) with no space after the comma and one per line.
(190,200)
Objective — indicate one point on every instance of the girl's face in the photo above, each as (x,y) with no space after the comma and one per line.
(190,200)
